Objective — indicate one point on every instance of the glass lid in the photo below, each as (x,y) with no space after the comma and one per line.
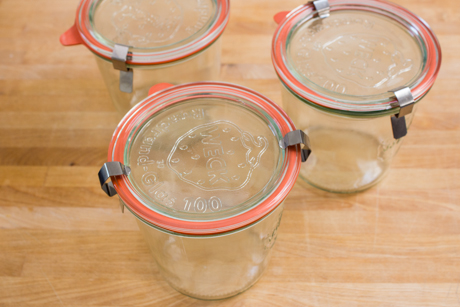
(155,30)
(213,157)
(354,53)
(205,152)
(357,56)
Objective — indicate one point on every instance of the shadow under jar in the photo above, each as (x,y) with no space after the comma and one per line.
(352,73)
(138,43)
(203,168)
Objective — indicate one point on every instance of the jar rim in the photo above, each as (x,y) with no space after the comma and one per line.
(149,56)
(170,96)
(375,104)
(213,235)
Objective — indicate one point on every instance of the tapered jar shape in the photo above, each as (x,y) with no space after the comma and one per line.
(352,73)
(205,168)
(138,43)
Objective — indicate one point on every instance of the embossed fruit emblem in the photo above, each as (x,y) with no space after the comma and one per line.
(368,60)
(217,156)
(146,21)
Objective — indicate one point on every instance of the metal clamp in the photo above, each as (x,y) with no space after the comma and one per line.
(405,101)
(406,105)
(323,8)
(297,137)
(108,170)
(120,56)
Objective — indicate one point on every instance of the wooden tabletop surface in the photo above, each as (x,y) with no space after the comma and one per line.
(64,243)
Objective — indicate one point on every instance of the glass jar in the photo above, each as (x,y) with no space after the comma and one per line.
(138,43)
(203,168)
(352,73)
(214,266)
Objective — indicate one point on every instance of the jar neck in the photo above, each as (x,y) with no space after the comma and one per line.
(349,113)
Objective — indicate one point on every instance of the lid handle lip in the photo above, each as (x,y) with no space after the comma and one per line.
(297,137)
(159,87)
(321,6)
(111,169)
(71,37)
(280,16)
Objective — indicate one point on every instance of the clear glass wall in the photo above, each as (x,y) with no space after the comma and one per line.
(214,266)
(349,154)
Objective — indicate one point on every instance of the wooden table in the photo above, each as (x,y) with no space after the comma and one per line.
(64,243)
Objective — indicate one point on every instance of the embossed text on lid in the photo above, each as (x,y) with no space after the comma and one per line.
(205,159)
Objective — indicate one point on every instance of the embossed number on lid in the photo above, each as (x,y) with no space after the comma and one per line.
(205,152)
(204,156)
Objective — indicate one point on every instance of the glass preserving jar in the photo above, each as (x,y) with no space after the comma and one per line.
(352,72)
(138,43)
(205,168)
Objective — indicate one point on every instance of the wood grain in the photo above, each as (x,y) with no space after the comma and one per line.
(63,243)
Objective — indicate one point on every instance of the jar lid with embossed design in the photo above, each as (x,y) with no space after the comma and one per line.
(156,31)
(351,55)
(203,158)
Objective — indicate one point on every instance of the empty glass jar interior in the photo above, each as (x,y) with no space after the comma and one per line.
(214,266)
(204,65)
(349,154)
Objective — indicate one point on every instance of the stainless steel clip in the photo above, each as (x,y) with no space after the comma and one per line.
(108,170)
(120,55)
(406,105)
(323,8)
(297,137)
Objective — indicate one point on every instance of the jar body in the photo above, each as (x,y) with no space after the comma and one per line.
(202,66)
(214,266)
(349,154)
